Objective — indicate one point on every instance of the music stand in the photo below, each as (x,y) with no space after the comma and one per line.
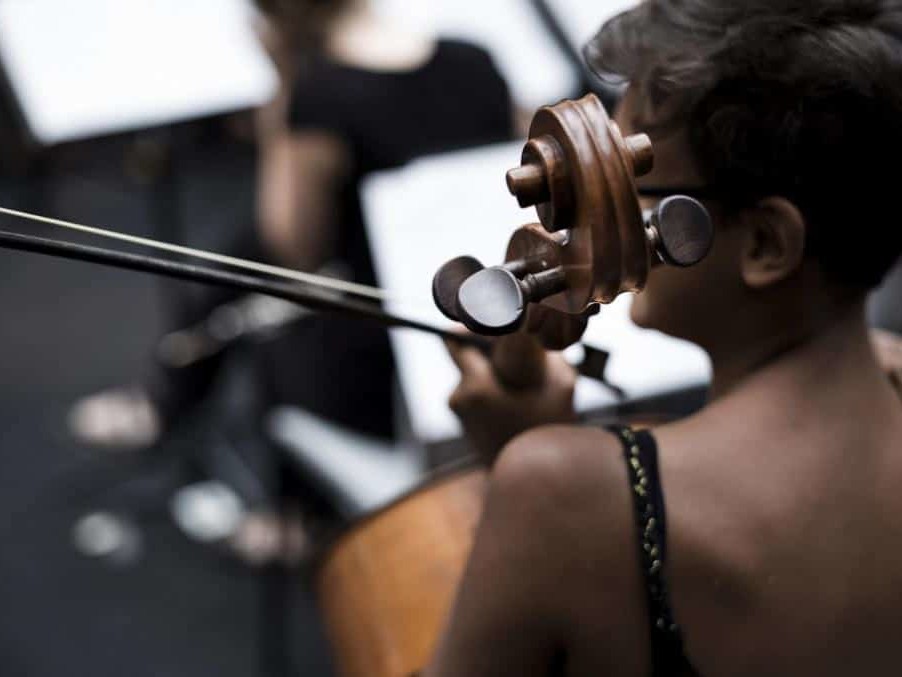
(92,68)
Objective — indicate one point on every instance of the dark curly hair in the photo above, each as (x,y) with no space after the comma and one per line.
(799,98)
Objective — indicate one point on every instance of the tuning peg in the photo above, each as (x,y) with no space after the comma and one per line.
(640,152)
(680,230)
(494,300)
(529,184)
(447,282)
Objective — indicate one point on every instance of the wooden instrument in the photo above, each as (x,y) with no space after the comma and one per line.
(593,241)
(387,585)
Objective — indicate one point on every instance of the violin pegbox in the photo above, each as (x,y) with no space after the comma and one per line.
(592,242)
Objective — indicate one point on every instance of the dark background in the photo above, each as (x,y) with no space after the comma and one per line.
(69,329)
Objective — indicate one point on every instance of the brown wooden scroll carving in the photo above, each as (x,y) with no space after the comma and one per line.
(591,243)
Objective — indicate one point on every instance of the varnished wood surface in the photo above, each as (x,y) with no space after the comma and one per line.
(592,243)
(386,586)
(588,191)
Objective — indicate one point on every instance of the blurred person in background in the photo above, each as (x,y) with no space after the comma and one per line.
(357,95)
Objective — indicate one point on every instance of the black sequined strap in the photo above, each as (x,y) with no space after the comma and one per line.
(641,453)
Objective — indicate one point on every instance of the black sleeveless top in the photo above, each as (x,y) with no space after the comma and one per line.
(641,454)
(341,368)
(456,99)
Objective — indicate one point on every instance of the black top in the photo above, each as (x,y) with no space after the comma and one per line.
(341,368)
(386,118)
(641,454)
(454,100)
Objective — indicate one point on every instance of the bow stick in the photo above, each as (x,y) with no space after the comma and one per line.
(231,261)
(305,294)
(315,292)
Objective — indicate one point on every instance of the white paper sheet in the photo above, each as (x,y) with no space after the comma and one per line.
(82,68)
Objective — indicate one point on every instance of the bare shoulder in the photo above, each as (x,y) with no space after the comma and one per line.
(561,461)
(567,482)
(567,490)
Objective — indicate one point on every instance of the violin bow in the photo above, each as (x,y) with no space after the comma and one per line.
(315,292)
(312,291)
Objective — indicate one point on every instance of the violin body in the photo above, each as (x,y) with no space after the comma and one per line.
(387,585)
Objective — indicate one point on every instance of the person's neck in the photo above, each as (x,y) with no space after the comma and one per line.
(837,331)
(359,36)
(353,15)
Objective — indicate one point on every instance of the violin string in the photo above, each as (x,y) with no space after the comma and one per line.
(322,281)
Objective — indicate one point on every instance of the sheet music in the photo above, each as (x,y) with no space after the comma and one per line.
(82,68)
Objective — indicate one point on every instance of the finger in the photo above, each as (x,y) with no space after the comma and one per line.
(472,396)
(465,400)
(518,361)
(458,400)
(555,329)
(468,359)
(560,371)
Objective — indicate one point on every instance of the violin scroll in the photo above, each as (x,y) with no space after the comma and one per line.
(592,242)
